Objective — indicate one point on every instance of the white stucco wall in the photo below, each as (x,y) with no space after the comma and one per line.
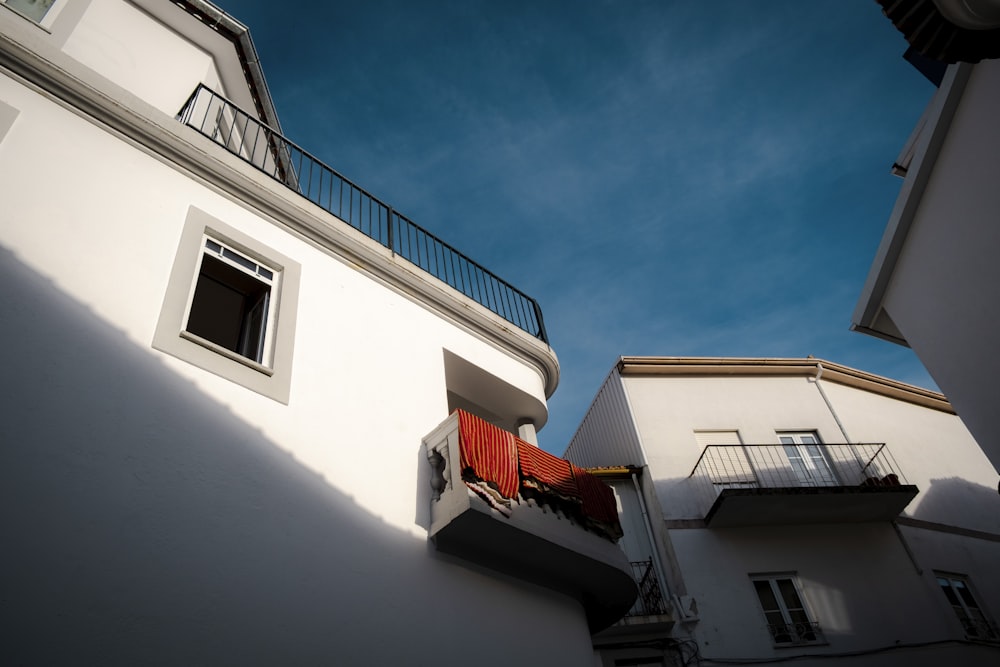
(154,63)
(945,286)
(158,514)
(856,579)
(935,452)
(669,410)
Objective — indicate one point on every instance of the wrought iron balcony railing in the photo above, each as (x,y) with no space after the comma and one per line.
(785,634)
(755,477)
(979,628)
(650,601)
(259,145)
(791,466)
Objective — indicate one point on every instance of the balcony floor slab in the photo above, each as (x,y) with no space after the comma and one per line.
(796,505)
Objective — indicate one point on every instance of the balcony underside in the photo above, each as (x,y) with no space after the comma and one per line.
(793,505)
(538,546)
(635,629)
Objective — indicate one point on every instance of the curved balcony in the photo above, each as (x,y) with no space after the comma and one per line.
(509,506)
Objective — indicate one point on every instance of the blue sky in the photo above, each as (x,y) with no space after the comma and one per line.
(665,178)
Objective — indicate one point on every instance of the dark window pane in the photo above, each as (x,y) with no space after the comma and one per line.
(33,9)
(229,308)
(798,616)
(766,595)
(789,594)
(949,592)
(239,259)
(966,595)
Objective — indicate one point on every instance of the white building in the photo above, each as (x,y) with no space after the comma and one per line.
(221,362)
(934,284)
(796,507)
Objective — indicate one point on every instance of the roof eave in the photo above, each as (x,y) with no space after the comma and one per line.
(762,366)
(936,123)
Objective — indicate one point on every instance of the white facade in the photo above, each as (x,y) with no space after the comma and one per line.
(837,519)
(935,283)
(172,503)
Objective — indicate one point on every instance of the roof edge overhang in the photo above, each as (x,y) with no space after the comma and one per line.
(760,366)
(935,123)
(217,20)
(614,472)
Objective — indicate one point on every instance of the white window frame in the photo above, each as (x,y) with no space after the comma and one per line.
(272,376)
(262,273)
(796,626)
(975,622)
(813,467)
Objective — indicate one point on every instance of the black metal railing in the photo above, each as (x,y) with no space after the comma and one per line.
(795,633)
(978,628)
(796,465)
(248,138)
(650,601)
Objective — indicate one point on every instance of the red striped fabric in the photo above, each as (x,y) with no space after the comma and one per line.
(496,457)
(552,471)
(598,500)
(489,452)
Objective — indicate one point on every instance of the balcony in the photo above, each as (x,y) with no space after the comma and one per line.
(743,485)
(509,506)
(651,616)
(255,143)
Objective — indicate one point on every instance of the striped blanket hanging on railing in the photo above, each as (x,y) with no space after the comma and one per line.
(501,468)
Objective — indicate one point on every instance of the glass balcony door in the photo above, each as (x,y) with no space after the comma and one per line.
(807,459)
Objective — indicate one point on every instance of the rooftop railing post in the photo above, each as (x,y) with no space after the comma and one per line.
(388,222)
(541,323)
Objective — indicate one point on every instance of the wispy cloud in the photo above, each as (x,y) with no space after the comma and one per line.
(665,178)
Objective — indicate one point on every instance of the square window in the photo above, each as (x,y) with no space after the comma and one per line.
(32,9)
(230,303)
(974,621)
(230,307)
(787,619)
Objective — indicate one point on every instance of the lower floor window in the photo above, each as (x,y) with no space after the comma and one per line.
(787,619)
(972,617)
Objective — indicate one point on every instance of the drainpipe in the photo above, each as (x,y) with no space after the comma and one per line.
(657,562)
(829,405)
(895,526)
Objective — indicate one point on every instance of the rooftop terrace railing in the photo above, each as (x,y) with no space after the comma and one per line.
(256,143)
